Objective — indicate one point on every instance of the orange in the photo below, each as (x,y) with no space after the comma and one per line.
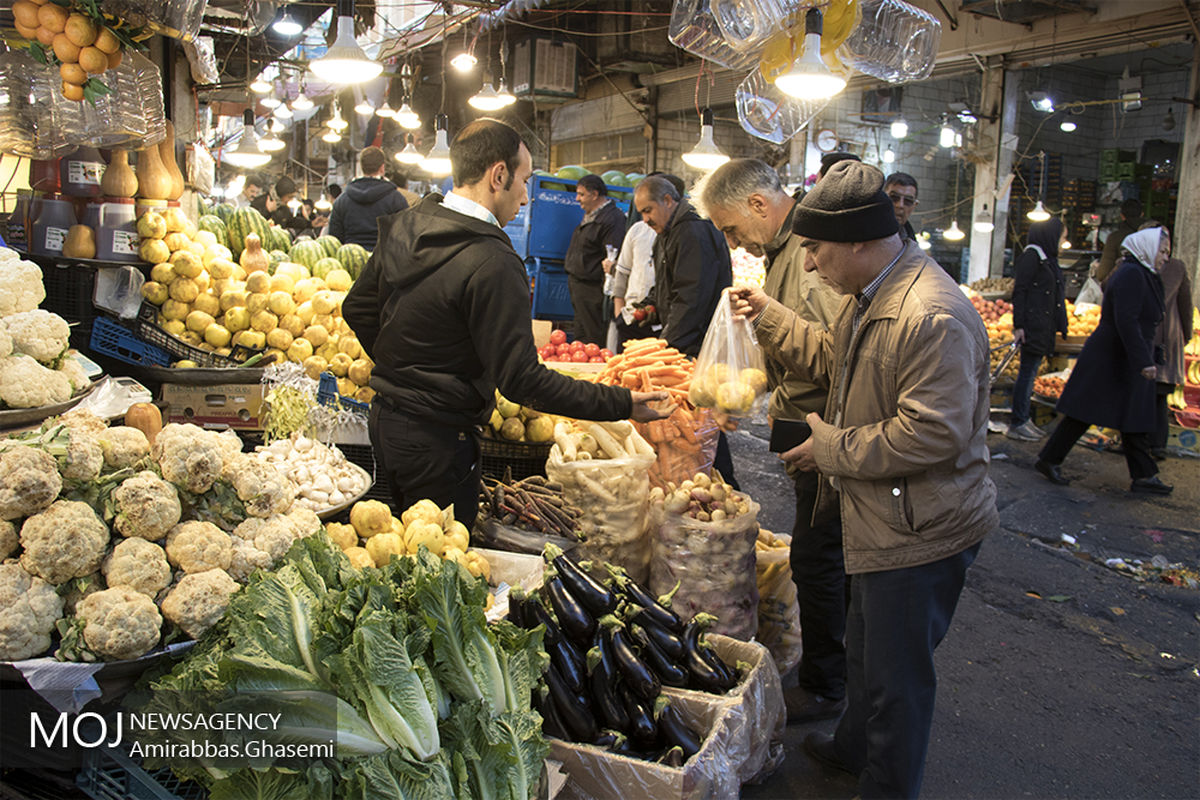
(107,41)
(26,33)
(93,60)
(114,59)
(80,29)
(72,92)
(25,13)
(53,17)
(72,73)
(45,35)
(66,50)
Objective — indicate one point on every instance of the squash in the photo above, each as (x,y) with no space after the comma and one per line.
(80,242)
(253,257)
(154,182)
(119,178)
(166,154)
(146,417)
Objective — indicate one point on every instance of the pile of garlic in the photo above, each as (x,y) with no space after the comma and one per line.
(323,476)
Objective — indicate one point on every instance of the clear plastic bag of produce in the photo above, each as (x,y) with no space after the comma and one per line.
(614,495)
(778,609)
(684,444)
(713,563)
(730,374)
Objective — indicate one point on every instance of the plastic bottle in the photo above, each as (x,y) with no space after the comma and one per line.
(80,172)
(895,42)
(131,115)
(32,124)
(695,29)
(766,112)
(747,24)
(50,230)
(116,235)
(177,19)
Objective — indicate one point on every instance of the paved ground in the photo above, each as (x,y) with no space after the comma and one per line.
(1061,677)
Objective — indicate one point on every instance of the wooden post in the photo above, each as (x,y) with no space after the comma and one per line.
(986,174)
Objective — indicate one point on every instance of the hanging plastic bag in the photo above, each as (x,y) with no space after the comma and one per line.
(778,609)
(731,375)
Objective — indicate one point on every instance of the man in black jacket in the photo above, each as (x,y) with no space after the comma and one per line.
(442,307)
(357,210)
(603,224)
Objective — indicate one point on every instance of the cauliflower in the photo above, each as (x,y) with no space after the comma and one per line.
(74,372)
(82,459)
(382,546)
(9,541)
(145,506)
(228,442)
(264,489)
(424,533)
(65,541)
(259,544)
(370,517)
(5,341)
(138,564)
(199,546)
(39,333)
(199,600)
(82,421)
(29,608)
(189,457)
(73,591)
(29,481)
(23,289)
(119,623)
(359,557)
(24,383)
(304,521)
(123,446)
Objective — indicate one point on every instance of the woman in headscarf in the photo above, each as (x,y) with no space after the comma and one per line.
(1173,335)
(1039,311)
(1112,384)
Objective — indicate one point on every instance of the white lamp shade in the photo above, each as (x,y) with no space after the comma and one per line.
(271,101)
(385,111)
(408,118)
(283,112)
(364,108)
(899,129)
(953,233)
(286,26)
(331,136)
(705,155)
(504,95)
(410,154)
(809,78)
(271,144)
(322,203)
(345,62)
(946,136)
(464,62)
(1038,213)
(302,103)
(247,155)
(486,99)
(437,162)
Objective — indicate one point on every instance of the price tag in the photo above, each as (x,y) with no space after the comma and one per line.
(84,172)
(55,238)
(125,243)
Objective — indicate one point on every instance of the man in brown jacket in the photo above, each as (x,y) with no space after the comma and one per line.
(903,439)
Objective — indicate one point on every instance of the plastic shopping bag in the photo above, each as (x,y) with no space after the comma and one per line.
(731,375)
(778,610)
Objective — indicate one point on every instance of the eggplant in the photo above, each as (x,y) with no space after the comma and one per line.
(573,618)
(707,669)
(670,642)
(674,731)
(655,609)
(593,595)
(538,615)
(611,740)
(573,708)
(516,608)
(570,663)
(674,757)
(643,731)
(638,676)
(667,670)
(604,681)
(552,723)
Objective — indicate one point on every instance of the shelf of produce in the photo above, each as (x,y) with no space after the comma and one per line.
(22,417)
(70,290)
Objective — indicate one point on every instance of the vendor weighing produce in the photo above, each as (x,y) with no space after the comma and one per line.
(442,308)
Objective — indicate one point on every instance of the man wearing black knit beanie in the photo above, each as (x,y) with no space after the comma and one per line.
(901,447)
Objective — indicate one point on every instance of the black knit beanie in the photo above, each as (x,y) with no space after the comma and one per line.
(847,205)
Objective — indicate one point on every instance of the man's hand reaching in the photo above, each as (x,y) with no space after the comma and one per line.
(642,412)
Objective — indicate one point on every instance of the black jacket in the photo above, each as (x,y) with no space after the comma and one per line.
(355,215)
(586,250)
(691,267)
(1039,306)
(442,307)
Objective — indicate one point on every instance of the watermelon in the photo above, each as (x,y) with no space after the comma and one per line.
(324,266)
(280,239)
(213,224)
(307,253)
(331,245)
(223,211)
(571,172)
(276,257)
(634,178)
(244,221)
(353,257)
(614,177)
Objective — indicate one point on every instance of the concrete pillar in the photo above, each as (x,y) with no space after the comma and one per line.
(986,175)
(1187,216)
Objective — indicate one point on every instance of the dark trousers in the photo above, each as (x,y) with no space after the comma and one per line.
(587,298)
(1162,415)
(723,461)
(423,460)
(1136,445)
(819,572)
(1023,388)
(896,620)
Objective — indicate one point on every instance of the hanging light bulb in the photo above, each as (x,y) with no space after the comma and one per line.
(364,108)
(437,162)
(809,78)
(1066,245)
(302,103)
(410,154)
(504,95)
(464,62)
(336,122)
(294,204)
(1038,213)
(385,111)
(322,203)
(345,61)
(261,85)
(331,136)
(283,112)
(983,221)
(286,26)
(247,155)
(275,126)
(486,98)
(271,144)
(946,135)
(1067,126)
(889,156)
(953,233)
(235,186)
(705,155)
(899,129)
(408,118)
(923,240)
(271,101)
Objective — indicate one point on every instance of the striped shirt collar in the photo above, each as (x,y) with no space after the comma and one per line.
(867,295)
(468,207)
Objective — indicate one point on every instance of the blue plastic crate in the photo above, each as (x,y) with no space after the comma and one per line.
(518,232)
(112,340)
(551,295)
(553,214)
(327,394)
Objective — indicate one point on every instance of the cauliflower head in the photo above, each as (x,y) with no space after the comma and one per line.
(65,541)
(421,511)
(199,546)
(29,608)
(304,521)
(259,544)
(120,623)
(82,421)
(73,591)
(263,489)
(199,600)
(83,459)
(123,446)
(146,507)
(74,372)
(24,383)
(9,541)
(138,564)
(189,457)
(29,481)
(5,341)
(23,289)
(39,333)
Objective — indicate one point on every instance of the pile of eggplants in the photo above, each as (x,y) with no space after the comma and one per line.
(612,648)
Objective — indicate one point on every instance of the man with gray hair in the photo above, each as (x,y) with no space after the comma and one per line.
(746,201)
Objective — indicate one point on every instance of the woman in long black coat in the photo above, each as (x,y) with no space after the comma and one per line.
(1039,312)
(1112,384)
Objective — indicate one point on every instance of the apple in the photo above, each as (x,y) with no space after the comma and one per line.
(592,349)
(579,357)
(563,349)
(606,354)
(649,310)
(577,346)
(595,360)
(558,337)
(639,315)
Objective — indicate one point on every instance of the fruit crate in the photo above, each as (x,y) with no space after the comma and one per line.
(147,329)
(69,293)
(553,214)
(551,293)
(327,395)
(522,458)
(116,341)
(109,774)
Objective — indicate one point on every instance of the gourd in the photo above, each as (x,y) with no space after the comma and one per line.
(119,178)
(80,242)
(166,154)
(253,256)
(154,182)
(146,417)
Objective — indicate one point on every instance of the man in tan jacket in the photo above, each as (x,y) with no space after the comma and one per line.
(746,201)
(903,439)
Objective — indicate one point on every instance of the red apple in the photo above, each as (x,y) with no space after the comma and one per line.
(649,309)
(579,357)
(592,349)
(563,349)
(639,314)
(557,337)
(577,346)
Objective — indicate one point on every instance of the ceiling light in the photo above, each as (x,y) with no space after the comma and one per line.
(283,112)
(809,78)
(505,96)
(464,62)
(286,26)
(946,137)
(275,126)
(953,233)
(302,103)
(364,108)
(408,118)
(271,144)
(322,203)
(345,61)
(437,162)
(410,154)
(385,111)
(261,85)
(1041,102)
(294,204)
(983,221)
(705,155)
(235,186)
(923,240)
(967,117)
(1067,126)
(1066,245)
(331,136)
(486,98)
(899,129)
(336,122)
(1038,213)
(889,156)
(247,155)
(271,101)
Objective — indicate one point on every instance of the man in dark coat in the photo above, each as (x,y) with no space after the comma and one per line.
(356,212)
(603,224)
(1131,220)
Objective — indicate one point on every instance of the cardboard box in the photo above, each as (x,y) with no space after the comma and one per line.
(226,405)
(542,329)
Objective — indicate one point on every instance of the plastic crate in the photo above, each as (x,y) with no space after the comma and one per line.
(364,456)
(69,292)
(115,341)
(113,775)
(147,329)
(522,458)
(553,214)
(327,395)
(518,232)
(551,293)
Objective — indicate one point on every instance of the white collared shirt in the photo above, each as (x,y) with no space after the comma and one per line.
(468,207)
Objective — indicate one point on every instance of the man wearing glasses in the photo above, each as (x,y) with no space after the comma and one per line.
(901,189)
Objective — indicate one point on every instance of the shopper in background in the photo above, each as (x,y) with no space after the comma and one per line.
(829,159)
(1112,383)
(356,212)
(276,206)
(254,186)
(746,201)
(335,191)
(1039,312)
(633,280)
(1131,220)
(901,189)
(904,441)
(1172,336)
(603,226)
(442,307)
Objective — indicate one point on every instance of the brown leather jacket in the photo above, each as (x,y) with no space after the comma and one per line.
(910,456)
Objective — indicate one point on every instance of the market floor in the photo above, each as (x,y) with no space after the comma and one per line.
(1061,677)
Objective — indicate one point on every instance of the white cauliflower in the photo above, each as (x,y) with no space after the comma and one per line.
(9,541)
(199,546)
(189,457)
(82,458)
(29,481)
(119,623)
(305,522)
(39,333)
(146,507)
(73,591)
(75,373)
(199,601)
(123,446)
(23,289)
(229,443)
(259,544)
(65,541)
(139,564)
(263,489)
(29,607)
(5,341)
(82,421)
(24,383)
